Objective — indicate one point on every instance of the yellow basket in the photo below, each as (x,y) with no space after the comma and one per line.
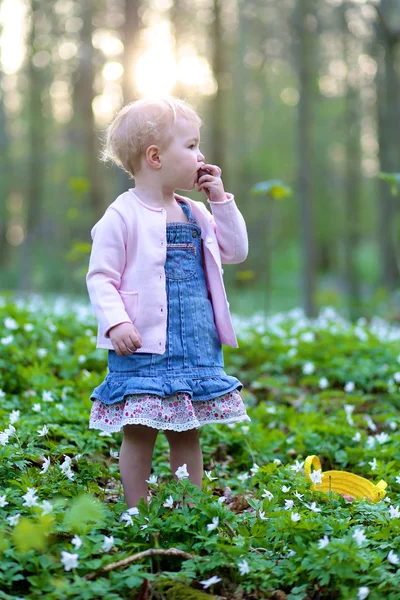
(346,484)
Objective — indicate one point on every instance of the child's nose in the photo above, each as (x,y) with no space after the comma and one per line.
(200,157)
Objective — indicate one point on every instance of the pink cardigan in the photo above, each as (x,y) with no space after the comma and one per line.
(126,278)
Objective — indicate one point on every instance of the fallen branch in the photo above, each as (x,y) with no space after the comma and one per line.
(151,552)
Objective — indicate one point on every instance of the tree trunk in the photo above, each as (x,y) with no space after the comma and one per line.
(304,47)
(218,103)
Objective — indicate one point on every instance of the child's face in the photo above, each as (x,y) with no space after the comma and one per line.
(182,159)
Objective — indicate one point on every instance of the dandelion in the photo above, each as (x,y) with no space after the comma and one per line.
(288,504)
(108,543)
(268,494)
(208,582)
(323,383)
(214,524)
(394,512)
(323,542)
(30,498)
(393,558)
(316,476)
(359,536)
(295,517)
(182,472)
(76,541)
(169,503)
(363,592)
(70,561)
(43,431)
(208,475)
(244,567)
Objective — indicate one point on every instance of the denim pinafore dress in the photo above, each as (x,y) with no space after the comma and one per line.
(192,366)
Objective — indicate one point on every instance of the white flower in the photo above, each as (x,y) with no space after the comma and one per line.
(3,438)
(221,499)
(314,508)
(61,346)
(393,558)
(2,393)
(374,464)
(28,327)
(182,472)
(169,502)
(323,542)
(349,387)
(292,352)
(262,516)
(254,469)
(370,442)
(291,553)
(277,461)
(308,336)
(126,517)
(359,536)
(244,567)
(133,511)
(382,437)
(108,543)
(288,504)
(295,517)
(323,383)
(70,561)
(13,520)
(214,524)
(363,592)
(245,428)
(43,431)
(396,376)
(10,430)
(6,340)
(66,467)
(297,466)
(244,476)
(81,358)
(3,501)
(356,437)
(152,480)
(208,582)
(298,496)
(316,476)
(267,494)
(208,475)
(76,541)
(42,352)
(36,407)
(394,512)
(47,396)
(14,416)
(10,323)
(47,507)
(30,498)
(285,489)
(370,422)
(308,368)
(114,454)
(45,465)
(348,410)
(392,425)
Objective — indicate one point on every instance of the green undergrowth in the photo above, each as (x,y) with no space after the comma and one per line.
(256,529)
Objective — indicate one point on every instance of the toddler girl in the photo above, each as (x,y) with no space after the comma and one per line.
(155,284)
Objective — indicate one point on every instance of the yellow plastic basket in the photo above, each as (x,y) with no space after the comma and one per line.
(346,484)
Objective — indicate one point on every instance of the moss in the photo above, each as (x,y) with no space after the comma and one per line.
(172,590)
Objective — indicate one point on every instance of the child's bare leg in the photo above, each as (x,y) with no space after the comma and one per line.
(135,460)
(185,448)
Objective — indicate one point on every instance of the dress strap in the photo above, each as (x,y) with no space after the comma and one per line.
(186,209)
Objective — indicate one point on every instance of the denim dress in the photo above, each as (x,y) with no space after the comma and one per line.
(186,386)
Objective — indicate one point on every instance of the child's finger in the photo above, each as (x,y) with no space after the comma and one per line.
(215,170)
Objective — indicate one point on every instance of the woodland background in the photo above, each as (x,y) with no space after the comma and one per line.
(304,92)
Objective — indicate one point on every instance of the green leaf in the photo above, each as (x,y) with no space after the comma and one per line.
(84,510)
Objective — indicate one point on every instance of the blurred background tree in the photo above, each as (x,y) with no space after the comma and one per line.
(305,92)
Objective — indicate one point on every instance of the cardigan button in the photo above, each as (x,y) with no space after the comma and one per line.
(194,233)
(209,240)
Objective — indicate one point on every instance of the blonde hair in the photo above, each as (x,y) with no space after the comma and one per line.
(140,124)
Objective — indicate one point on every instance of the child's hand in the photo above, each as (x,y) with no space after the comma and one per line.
(125,339)
(210,181)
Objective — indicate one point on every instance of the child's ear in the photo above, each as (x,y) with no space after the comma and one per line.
(153,157)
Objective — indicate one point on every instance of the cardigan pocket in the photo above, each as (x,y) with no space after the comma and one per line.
(130,300)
